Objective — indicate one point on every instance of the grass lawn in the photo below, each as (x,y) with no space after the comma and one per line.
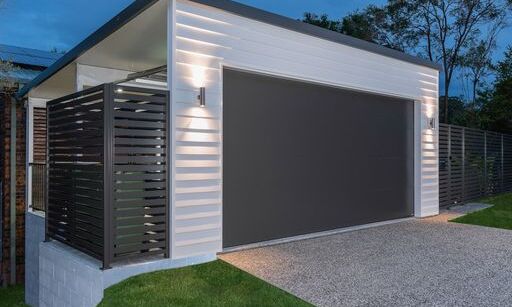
(498,216)
(212,284)
(12,296)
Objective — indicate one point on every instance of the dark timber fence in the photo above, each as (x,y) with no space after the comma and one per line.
(107,172)
(473,163)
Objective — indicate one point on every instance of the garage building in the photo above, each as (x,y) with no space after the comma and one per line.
(278,130)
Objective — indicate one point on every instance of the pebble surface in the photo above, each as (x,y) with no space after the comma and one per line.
(427,262)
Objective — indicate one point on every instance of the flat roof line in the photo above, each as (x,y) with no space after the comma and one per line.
(305,28)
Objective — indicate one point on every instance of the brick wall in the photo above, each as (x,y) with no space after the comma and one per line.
(5,127)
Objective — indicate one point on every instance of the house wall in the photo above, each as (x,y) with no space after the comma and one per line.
(5,176)
(202,41)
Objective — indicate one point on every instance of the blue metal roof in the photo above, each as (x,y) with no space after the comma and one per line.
(27,56)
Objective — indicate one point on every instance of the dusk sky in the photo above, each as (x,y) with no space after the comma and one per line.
(61,24)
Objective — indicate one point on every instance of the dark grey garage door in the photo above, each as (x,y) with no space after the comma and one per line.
(301,158)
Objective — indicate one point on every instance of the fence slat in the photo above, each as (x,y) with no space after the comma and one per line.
(107,174)
(472,164)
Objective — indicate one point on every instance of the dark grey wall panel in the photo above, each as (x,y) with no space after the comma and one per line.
(302,158)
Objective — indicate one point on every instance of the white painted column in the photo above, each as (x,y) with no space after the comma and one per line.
(171,81)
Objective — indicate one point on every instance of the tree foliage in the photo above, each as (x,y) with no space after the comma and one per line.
(454,33)
(497,107)
(322,21)
(6,68)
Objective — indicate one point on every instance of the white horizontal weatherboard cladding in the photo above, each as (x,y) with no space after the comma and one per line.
(206,39)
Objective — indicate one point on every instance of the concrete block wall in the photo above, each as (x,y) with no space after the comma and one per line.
(34,229)
(70,278)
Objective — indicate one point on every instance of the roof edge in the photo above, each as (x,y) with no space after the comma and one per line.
(125,16)
(305,28)
(139,6)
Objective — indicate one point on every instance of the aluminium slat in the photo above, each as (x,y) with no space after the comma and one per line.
(73,217)
(71,138)
(132,212)
(78,142)
(134,98)
(73,125)
(134,247)
(160,108)
(86,92)
(75,158)
(85,168)
(121,231)
(139,90)
(78,106)
(60,197)
(79,182)
(66,133)
(140,168)
(118,204)
(118,132)
(124,123)
(139,159)
(137,176)
(91,116)
(62,174)
(139,194)
(140,238)
(94,102)
(134,221)
(138,115)
(82,149)
(135,185)
(139,150)
(138,141)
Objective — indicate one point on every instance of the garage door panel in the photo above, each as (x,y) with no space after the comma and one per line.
(302,158)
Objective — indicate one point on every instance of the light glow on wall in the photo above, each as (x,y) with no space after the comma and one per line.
(202,17)
(198,76)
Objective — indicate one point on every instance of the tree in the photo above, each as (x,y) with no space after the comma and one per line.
(6,67)
(497,110)
(322,21)
(373,24)
(476,65)
(448,29)
(444,31)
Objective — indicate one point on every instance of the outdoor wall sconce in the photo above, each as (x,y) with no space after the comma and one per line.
(431,123)
(202,97)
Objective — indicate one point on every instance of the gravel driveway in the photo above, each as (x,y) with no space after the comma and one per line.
(419,262)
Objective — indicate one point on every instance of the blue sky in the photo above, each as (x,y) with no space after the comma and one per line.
(61,24)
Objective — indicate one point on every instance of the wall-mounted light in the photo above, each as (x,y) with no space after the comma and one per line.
(202,97)
(431,123)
